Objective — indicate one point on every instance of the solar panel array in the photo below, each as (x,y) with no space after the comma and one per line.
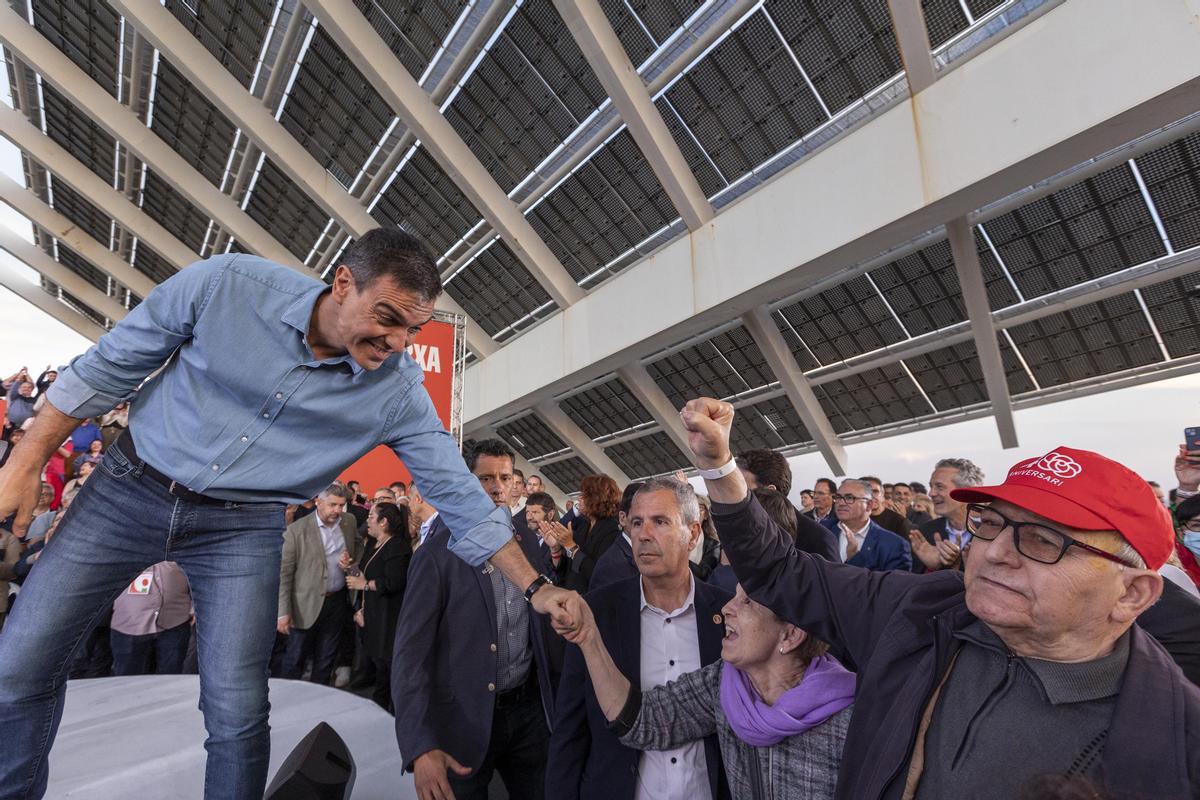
(524,99)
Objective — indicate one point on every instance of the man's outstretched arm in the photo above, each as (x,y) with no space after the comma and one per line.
(21,478)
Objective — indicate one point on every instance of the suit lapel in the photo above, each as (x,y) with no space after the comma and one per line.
(628,634)
(484,579)
(710,625)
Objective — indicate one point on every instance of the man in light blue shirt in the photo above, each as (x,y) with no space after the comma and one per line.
(268,384)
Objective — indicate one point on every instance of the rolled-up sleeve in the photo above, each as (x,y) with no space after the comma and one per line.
(117,364)
(478,527)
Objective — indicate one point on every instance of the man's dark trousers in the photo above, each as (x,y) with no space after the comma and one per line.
(319,641)
(517,749)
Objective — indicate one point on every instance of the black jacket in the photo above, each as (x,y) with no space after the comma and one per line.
(599,537)
(445,656)
(615,565)
(900,627)
(381,608)
(586,760)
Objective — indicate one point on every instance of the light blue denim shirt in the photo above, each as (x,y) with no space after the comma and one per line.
(244,411)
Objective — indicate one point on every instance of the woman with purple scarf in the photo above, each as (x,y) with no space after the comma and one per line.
(779,704)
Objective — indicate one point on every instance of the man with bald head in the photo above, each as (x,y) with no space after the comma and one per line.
(1026,665)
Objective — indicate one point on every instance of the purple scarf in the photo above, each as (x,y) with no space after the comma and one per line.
(826,688)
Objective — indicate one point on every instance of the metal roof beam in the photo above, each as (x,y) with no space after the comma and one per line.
(123,124)
(799,391)
(983,328)
(190,57)
(637,379)
(379,65)
(41,148)
(16,283)
(617,74)
(912,37)
(565,428)
(68,279)
(35,209)
(898,174)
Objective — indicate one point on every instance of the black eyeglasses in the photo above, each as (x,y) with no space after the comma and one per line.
(847,498)
(1032,540)
(1192,525)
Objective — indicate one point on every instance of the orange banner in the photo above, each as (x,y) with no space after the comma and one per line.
(433,350)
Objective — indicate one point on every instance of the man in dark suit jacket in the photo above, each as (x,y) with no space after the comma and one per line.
(650,646)
(616,563)
(863,543)
(470,672)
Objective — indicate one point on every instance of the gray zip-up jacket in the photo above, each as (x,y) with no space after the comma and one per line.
(801,767)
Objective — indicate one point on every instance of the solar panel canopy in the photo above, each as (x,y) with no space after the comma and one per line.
(1089,275)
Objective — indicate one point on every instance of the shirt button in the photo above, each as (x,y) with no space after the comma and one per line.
(672,663)
(668,620)
(279,395)
(216,467)
(265,415)
(493,648)
(491,687)
(245,438)
(673,759)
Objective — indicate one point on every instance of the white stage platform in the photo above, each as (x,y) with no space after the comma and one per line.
(144,737)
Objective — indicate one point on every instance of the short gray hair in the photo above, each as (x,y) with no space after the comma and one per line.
(1130,556)
(685,496)
(968,473)
(336,489)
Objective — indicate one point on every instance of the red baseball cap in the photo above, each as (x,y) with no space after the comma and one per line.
(1087,491)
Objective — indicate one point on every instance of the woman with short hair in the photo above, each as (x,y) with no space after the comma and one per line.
(779,704)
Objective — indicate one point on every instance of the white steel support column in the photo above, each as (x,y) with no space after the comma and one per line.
(566,429)
(34,209)
(17,284)
(797,388)
(983,328)
(912,37)
(379,65)
(617,74)
(653,399)
(70,281)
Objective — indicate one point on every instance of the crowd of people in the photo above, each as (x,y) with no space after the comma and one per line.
(1035,637)
(678,680)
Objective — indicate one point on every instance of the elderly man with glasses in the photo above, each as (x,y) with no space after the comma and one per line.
(1025,667)
(862,541)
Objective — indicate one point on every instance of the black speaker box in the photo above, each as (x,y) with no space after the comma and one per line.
(319,768)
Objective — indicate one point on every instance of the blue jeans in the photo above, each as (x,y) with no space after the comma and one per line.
(132,655)
(121,523)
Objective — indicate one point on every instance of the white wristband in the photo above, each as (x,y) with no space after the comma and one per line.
(720,472)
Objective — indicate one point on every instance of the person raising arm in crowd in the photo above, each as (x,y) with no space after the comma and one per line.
(1037,634)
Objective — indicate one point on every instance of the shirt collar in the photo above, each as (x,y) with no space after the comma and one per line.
(687,603)
(1060,681)
(858,534)
(427,523)
(299,316)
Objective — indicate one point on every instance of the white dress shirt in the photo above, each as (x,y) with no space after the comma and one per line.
(859,537)
(423,533)
(335,543)
(671,647)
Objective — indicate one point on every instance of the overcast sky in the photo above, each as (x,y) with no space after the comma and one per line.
(1140,427)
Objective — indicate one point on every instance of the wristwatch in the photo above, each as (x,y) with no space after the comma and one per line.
(538,582)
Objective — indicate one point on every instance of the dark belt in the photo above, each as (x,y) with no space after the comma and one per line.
(124,444)
(519,694)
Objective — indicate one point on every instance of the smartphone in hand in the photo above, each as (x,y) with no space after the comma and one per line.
(1192,437)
